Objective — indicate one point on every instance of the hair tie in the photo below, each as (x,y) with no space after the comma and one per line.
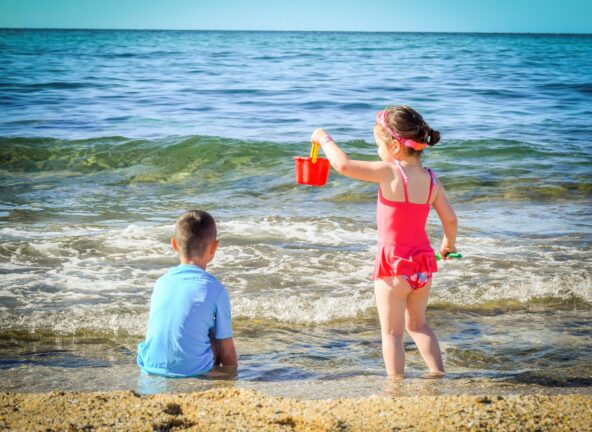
(381,117)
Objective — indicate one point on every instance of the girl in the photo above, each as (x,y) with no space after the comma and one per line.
(405,260)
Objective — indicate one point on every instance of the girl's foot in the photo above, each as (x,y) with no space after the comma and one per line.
(434,375)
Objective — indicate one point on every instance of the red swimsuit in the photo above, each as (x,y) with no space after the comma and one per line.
(403,245)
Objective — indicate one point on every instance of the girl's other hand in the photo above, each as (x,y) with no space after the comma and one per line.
(445,249)
(318,135)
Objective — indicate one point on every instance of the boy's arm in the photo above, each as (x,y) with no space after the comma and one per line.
(375,172)
(223,331)
(227,353)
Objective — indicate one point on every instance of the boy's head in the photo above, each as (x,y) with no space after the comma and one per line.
(195,236)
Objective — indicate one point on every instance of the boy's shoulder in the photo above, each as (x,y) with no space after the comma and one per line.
(186,272)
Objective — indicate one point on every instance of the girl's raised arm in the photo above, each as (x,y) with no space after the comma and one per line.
(375,172)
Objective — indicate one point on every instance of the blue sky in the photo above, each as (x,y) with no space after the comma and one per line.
(522,16)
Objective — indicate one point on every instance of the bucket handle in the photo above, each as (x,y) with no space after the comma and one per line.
(314,152)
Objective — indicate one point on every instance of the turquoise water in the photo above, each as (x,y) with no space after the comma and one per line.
(107,136)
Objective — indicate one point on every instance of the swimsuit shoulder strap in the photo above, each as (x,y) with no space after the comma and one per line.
(402,171)
(432,183)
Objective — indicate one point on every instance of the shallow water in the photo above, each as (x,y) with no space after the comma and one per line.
(106,137)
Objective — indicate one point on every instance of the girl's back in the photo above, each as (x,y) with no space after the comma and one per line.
(418,185)
(403,207)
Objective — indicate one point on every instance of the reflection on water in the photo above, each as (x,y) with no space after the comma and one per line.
(479,353)
(150,384)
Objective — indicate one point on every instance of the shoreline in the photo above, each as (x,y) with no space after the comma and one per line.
(243,409)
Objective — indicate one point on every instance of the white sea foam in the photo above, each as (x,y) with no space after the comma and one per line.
(309,306)
(292,270)
(48,232)
(76,320)
(305,309)
(318,231)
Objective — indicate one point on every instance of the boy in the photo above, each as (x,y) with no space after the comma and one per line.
(189,328)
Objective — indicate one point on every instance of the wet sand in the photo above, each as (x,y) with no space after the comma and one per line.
(240,409)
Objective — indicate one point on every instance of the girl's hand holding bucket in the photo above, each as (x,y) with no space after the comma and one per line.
(318,135)
(313,170)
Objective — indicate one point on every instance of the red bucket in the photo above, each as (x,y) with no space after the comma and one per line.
(311,173)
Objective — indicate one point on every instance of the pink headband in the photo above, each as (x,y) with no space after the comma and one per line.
(381,119)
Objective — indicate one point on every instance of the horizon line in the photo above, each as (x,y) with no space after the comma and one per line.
(295,31)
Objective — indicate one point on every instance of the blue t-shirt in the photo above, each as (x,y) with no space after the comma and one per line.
(187,302)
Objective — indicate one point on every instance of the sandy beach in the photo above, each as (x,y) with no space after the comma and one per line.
(108,136)
(239,409)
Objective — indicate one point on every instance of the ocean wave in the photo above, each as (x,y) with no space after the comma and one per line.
(173,155)
(473,169)
(305,271)
(585,88)
(283,310)
(52,85)
(32,154)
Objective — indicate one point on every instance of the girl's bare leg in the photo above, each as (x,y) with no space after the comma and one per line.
(417,327)
(391,297)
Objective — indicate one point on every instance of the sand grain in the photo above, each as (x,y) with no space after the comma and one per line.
(239,409)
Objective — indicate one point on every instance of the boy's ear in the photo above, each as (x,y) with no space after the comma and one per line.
(214,246)
(174,244)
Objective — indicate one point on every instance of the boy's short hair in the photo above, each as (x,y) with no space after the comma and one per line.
(194,231)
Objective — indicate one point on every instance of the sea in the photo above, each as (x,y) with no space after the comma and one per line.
(106,137)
